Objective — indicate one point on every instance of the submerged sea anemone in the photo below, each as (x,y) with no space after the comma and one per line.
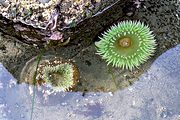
(127,44)
(59,74)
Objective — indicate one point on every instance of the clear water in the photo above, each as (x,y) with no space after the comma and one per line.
(155,96)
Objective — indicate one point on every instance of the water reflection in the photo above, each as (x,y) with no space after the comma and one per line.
(15,101)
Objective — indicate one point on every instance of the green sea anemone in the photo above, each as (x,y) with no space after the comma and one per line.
(61,75)
(126,45)
(54,72)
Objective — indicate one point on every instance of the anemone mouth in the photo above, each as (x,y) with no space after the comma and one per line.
(127,45)
(58,73)
(125,42)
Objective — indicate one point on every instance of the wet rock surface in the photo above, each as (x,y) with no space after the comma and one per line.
(164,19)
(154,97)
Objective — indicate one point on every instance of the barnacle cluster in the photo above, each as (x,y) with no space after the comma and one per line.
(38,12)
(31,12)
(59,74)
(127,44)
